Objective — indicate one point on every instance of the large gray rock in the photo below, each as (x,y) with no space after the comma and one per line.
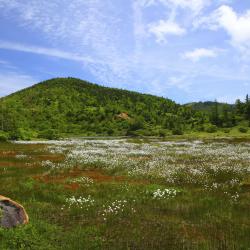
(11,213)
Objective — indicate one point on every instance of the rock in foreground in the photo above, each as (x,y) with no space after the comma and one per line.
(11,213)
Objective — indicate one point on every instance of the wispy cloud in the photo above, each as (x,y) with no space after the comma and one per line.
(195,5)
(86,26)
(199,53)
(164,28)
(45,51)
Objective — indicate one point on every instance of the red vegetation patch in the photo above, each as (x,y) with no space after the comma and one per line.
(99,176)
(51,157)
(72,186)
(12,164)
(7,153)
(96,174)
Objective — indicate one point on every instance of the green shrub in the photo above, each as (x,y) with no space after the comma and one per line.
(49,134)
(211,128)
(226,130)
(199,128)
(21,134)
(243,130)
(136,124)
(162,133)
(3,137)
(110,131)
(177,131)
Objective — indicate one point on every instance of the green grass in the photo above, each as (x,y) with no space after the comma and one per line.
(124,214)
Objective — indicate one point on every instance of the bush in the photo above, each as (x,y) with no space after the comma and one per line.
(3,137)
(162,133)
(177,131)
(243,130)
(200,128)
(136,124)
(110,131)
(49,134)
(211,128)
(21,134)
(226,130)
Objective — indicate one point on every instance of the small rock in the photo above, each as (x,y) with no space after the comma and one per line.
(11,213)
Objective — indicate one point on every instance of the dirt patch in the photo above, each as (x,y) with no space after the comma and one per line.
(123,116)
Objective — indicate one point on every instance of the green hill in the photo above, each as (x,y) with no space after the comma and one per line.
(75,107)
(69,106)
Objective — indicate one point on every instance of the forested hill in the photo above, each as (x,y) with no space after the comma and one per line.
(75,107)
(69,106)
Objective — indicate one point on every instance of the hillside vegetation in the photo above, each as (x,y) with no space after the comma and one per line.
(69,106)
(209,106)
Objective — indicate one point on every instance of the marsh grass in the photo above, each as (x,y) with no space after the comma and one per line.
(117,208)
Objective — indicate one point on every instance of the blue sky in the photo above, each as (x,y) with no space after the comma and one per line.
(186,50)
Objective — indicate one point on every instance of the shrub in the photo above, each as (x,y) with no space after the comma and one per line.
(211,128)
(21,134)
(243,130)
(49,134)
(177,131)
(3,137)
(110,131)
(226,130)
(200,128)
(162,133)
(136,124)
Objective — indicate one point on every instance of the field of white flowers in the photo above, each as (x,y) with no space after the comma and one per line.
(215,166)
(140,193)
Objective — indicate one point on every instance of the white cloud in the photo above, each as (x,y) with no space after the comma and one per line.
(176,11)
(164,28)
(196,6)
(199,53)
(236,25)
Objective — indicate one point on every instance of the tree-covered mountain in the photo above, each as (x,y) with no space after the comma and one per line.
(69,106)
(72,106)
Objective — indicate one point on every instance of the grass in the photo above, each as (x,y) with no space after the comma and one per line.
(128,194)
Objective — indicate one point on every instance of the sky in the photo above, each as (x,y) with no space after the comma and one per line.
(185,50)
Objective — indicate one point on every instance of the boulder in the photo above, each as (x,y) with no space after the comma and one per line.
(11,213)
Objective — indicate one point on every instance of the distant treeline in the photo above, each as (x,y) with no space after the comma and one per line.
(69,106)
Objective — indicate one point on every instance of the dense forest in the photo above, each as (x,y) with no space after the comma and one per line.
(68,106)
